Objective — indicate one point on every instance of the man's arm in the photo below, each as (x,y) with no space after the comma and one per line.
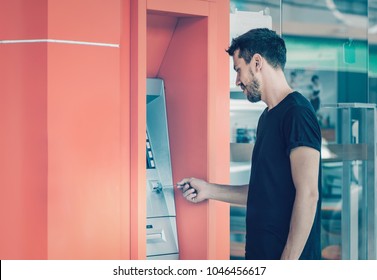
(196,190)
(305,169)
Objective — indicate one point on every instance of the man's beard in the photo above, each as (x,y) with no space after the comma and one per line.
(253,92)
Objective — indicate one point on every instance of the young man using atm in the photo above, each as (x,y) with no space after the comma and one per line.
(283,195)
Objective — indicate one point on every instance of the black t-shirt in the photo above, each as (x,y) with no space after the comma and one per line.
(290,124)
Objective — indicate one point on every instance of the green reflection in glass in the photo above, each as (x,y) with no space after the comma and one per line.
(329,54)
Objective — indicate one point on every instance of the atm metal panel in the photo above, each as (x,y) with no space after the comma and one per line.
(162,241)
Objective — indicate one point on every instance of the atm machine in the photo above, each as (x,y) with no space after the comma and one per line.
(162,241)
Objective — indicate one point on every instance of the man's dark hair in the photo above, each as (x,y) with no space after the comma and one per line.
(262,41)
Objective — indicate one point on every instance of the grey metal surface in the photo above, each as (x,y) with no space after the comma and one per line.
(347,224)
(162,239)
(371,198)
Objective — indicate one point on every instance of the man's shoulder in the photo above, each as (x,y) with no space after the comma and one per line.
(299,104)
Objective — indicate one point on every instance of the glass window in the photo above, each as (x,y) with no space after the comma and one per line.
(331,45)
(331,60)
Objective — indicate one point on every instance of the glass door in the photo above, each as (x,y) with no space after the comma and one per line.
(348,185)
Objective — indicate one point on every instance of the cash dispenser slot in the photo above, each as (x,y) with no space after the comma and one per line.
(155,236)
(161,229)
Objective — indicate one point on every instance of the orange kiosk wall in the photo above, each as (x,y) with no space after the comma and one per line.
(72,117)
(186,48)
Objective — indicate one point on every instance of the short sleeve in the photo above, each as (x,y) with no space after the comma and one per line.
(301,128)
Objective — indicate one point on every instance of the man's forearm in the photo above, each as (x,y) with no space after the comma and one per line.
(230,194)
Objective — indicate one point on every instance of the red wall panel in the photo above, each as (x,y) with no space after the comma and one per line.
(72,124)
(85,20)
(23,19)
(186,95)
(84,152)
(138,209)
(160,30)
(218,114)
(125,131)
(23,151)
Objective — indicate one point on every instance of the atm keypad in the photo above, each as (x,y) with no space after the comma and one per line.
(150,160)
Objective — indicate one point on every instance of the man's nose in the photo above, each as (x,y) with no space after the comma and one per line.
(238,82)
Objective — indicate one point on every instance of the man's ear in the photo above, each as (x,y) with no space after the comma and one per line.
(258,61)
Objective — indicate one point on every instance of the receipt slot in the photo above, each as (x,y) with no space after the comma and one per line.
(162,241)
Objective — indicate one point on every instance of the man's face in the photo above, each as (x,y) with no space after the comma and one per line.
(246,78)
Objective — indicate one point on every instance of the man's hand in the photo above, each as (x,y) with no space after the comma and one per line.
(194,190)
